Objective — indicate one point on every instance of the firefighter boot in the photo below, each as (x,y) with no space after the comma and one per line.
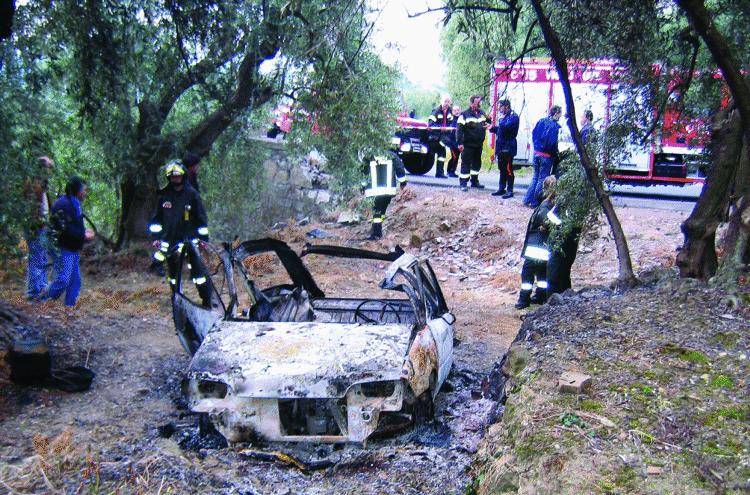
(500,188)
(475,182)
(540,296)
(509,194)
(377,231)
(524,299)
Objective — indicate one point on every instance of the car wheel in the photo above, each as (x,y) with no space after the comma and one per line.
(418,164)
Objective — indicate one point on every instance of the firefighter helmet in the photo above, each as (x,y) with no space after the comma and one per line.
(174,168)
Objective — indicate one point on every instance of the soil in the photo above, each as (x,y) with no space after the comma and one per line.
(131,431)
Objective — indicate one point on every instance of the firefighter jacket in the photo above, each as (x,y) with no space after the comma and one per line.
(506,131)
(66,218)
(179,216)
(537,232)
(545,135)
(440,118)
(385,173)
(470,128)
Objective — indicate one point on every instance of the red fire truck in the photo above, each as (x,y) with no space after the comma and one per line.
(533,86)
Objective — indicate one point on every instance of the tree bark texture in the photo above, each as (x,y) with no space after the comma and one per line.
(626,277)
(697,258)
(702,21)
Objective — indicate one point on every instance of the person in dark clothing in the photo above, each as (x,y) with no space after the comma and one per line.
(544,136)
(442,117)
(66,217)
(561,262)
(471,129)
(587,126)
(506,147)
(455,152)
(178,226)
(535,249)
(192,164)
(386,174)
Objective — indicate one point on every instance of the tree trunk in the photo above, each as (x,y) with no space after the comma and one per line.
(626,277)
(702,21)
(138,203)
(697,259)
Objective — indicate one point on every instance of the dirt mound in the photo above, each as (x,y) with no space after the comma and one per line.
(427,217)
(667,408)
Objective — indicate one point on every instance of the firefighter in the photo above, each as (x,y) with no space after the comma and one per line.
(455,153)
(386,175)
(535,251)
(544,136)
(442,117)
(471,128)
(506,146)
(178,226)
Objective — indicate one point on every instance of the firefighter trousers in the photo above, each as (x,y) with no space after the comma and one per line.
(379,206)
(198,272)
(507,178)
(471,162)
(453,162)
(561,263)
(531,272)
(442,151)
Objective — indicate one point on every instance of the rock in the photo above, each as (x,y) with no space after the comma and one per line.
(348,217)
(445,226)
(573,382)
(303,221)
(653,470)
(555,300)
(318,234)
(569,293)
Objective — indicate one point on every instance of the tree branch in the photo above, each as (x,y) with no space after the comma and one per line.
(478,8)
(247,92)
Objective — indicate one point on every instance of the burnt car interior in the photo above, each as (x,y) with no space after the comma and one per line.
(302,300)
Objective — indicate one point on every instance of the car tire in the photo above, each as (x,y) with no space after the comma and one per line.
(418,164)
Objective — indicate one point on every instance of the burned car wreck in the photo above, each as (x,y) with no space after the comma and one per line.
(288,363)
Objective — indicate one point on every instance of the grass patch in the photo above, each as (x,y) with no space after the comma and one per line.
(590,406)
(727,340)
(722,381)
(689,355)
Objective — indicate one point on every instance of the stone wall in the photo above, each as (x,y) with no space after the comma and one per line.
(295,186)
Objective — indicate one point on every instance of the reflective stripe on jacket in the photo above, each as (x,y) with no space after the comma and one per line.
(385,174)
(470,129)
(535,244)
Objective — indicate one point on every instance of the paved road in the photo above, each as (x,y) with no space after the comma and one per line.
(671,198)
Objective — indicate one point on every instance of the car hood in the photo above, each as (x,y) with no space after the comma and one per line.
(294,360)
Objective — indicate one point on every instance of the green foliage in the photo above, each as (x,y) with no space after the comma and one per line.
(689,355)
(421,101)
(576,201)
(113,90)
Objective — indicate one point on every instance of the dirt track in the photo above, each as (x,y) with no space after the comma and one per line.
(128,337)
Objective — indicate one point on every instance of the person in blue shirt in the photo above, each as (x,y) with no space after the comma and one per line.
(506,147)
(544,136)
(66,217)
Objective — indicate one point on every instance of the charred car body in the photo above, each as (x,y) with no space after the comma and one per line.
(296,365)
